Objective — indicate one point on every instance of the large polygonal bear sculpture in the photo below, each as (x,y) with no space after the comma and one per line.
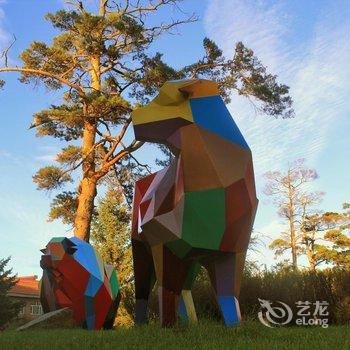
(197,211)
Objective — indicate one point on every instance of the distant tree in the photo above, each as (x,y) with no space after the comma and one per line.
(102,64)
(294,202)
(9,307)
(327,238)
(110,233)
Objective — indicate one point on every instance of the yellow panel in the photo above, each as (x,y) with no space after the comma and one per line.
(189,305)
(173,101)
(155,112)
(157,253)
(170,94)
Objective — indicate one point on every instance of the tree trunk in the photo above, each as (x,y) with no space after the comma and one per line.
(311,258)
(88,185)
(87,188)
(310,252)
(312,263)
(85,208)
(294,248)
(293,242)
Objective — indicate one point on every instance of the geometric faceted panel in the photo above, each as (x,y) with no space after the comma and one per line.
(199,210)
(75,276)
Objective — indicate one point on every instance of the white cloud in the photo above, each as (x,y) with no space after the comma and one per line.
(266,234)
(308,47)
(4,154)
(46,158)
(312,60)
(49,154)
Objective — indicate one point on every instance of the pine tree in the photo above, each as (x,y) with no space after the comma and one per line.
(326,237)
(110,233)
(9,307)
(101,62)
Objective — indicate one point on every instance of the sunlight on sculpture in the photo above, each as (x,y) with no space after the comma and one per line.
(74,276)
(197,211)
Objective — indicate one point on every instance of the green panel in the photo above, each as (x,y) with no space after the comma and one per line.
(57,239)
(114,284)
(178,247)
(204,218)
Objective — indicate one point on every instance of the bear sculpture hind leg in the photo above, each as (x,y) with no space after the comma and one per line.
(144,279)
(187,311)
(171,274)
(225,273)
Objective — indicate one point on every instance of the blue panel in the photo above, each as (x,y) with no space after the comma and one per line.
(182,310)
(90,322)
(90,313)
(211,114)
(228,309)
(93,286)
(85,255)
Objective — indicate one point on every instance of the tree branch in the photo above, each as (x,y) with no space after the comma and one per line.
(135,145)
(45,74)
(117,140)
(147,167)
(6,51)
(149,8)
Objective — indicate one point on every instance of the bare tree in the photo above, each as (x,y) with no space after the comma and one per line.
(294,200)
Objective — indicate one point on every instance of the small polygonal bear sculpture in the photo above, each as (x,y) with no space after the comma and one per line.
(75,276)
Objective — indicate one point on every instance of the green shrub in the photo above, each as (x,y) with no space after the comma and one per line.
(282,284)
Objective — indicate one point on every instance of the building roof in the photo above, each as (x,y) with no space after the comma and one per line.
(27,286)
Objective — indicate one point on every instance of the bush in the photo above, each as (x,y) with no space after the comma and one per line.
(331,285)
(280,284)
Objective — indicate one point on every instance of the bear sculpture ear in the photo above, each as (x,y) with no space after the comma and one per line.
(200,88)
(43,250)
(71,250)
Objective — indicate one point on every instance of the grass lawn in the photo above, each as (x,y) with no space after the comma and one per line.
(205,335)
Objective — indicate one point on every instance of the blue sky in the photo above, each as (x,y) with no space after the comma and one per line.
(306,43)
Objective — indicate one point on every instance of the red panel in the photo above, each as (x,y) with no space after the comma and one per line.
(237,234)
(61,299)
(102,303)
(144,183)
(74,272)
(144,206)
(237,204)
(237,201)
(79,309)
(250,183)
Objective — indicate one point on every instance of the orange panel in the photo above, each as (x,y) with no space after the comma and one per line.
(198,169)
(201,88)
